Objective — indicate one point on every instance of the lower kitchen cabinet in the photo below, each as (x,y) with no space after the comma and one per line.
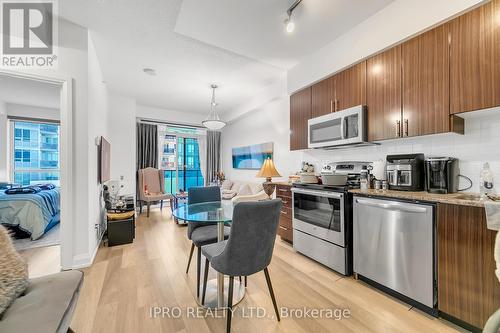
(285,230)
(468,289)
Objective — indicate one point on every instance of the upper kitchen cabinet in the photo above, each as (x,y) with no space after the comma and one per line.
(300,113)
(474,59)
(350,87)
(383,94)
(322,97)
(426,83)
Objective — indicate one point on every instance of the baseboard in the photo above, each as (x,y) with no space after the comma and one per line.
(84,260)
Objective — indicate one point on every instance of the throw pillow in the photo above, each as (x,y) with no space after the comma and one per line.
(226,185)
(245,190)
(13,272)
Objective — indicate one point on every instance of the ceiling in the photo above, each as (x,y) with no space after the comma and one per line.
(255,28)
(240,45)
(29,92)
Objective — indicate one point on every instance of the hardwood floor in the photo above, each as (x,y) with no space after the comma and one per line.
(126,281)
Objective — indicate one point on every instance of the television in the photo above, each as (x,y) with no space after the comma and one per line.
(104,161)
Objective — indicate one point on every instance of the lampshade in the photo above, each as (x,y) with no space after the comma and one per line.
(268,170)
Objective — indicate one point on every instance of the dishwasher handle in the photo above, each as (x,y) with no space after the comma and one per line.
(393,206)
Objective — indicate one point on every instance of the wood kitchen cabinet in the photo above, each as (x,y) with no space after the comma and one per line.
(300,113)
(468,289)
(339,92)
(426,83)
(475,59)
(322,97)
(285,231)
(383,94)
(350,87)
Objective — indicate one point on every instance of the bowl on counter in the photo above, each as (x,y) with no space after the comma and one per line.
(334,180)
(308,178)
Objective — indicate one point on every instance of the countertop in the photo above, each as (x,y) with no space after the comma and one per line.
(463,199)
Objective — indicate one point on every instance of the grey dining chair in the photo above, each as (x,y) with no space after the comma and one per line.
(202,234)
(249,248)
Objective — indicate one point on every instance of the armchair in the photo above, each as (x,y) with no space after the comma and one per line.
(152,188)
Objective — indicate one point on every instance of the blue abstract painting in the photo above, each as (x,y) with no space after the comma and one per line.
(252,157)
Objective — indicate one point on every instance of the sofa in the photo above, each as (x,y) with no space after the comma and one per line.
(47,305)
(241,191)
(43,305)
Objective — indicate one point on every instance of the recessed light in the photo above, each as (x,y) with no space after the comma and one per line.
(149,71)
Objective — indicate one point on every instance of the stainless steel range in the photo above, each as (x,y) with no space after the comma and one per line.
(322,218)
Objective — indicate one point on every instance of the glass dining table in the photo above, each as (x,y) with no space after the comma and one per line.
(220,213)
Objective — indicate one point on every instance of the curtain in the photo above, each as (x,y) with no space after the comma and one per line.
(147,146)
(202,149)
(213,155)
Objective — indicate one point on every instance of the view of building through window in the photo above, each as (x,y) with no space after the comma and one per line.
(36,152)
(181,161)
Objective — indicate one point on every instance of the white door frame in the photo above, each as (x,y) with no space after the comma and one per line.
(65,159)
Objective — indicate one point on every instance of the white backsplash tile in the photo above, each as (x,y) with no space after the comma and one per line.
(479,144)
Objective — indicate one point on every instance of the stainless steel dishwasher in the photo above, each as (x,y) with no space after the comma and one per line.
(394,247)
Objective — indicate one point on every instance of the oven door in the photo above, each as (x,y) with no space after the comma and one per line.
(320,214)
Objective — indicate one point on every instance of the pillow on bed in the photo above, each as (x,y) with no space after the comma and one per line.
(13,272)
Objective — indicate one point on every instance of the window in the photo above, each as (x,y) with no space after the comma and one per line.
(35,157)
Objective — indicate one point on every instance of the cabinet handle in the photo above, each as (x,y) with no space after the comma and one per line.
(282,190)
(331,106)
(284,201)
(406,127)
(398,128)
(284,213)
(283,228)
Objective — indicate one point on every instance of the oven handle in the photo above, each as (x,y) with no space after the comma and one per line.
(319,193)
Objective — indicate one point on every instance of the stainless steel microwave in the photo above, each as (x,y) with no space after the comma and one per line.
(342,128)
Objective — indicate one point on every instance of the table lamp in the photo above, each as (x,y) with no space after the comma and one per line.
(268,171)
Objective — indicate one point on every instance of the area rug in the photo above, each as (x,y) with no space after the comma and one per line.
(49,239)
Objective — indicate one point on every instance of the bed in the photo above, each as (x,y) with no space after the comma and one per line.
(33,213)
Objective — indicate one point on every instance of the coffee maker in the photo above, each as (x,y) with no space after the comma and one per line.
(405,172)
(441,175)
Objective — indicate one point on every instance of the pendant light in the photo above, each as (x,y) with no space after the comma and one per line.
(213,121)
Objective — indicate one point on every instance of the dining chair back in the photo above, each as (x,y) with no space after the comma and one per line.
(201,194)
(248,250)
(251,241)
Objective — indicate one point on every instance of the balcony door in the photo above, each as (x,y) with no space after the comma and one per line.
(180,159)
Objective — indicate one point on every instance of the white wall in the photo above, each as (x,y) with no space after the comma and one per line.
(173,116)
(398,21)
(269,123)
(98,126)
(122,133)
(4,176)
(29,111)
